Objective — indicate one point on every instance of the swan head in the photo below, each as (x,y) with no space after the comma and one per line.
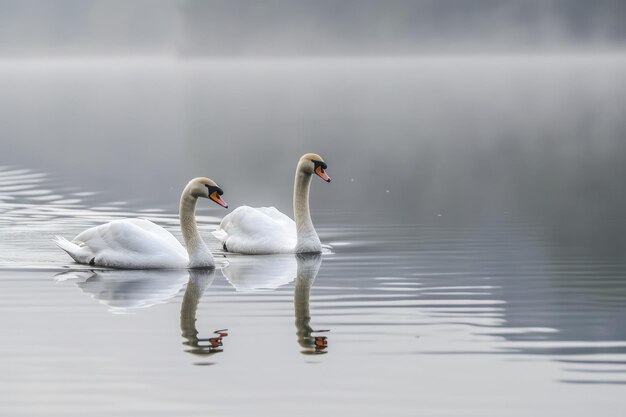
(312,163)
(206,188)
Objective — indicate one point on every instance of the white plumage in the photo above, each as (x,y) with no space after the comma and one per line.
(265,230)
(126,243)
(261,230)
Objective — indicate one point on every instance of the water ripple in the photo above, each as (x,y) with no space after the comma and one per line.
(504,292)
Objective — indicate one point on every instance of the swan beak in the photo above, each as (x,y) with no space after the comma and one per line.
(323,175)
(218,199)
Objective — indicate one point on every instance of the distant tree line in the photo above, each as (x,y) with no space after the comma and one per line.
(249,27)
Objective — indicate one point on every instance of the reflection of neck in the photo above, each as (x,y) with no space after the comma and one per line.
(199,254)
(308,241)
(302,291)
(308,265)
(198,282)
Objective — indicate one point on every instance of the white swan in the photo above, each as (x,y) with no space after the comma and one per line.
(141,244)
(266,230)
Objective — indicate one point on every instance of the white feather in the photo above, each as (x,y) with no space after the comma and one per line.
(261,230)
(126,243)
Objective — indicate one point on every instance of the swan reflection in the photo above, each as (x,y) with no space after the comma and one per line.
(260,272)
(123,291)
(268,272)
(308,267)
(199,281)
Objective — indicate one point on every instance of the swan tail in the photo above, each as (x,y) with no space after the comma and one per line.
(79,254)
(220,235)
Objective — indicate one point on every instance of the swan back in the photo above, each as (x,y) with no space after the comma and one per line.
(260,230)
(127,243)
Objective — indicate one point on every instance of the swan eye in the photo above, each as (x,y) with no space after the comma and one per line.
(214,188)
(319,164)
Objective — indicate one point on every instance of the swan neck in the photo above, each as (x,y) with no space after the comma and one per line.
(307,239)
(301,210)
(199,254)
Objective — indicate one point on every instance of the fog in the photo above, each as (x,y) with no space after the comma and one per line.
(538,137)
(307,27)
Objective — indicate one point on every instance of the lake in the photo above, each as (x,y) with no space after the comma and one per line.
(476,218)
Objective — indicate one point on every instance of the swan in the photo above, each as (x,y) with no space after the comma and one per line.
(141,244)
(265,230)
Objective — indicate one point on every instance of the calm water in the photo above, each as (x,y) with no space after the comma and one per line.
(475,214)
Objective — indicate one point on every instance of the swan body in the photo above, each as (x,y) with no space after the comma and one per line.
(265,230)
(141,244)
(260,230)
(126,243)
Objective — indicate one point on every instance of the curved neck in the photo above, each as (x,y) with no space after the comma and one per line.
(308,241)
(199,254)
(302,215)
(302,290)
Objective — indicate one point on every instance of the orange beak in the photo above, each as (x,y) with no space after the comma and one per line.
(218,199)
(320,172)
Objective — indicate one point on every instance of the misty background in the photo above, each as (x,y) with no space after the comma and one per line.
(305,27)
(446,110)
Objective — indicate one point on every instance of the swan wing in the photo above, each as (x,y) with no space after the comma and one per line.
(257,230)
(127,243)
